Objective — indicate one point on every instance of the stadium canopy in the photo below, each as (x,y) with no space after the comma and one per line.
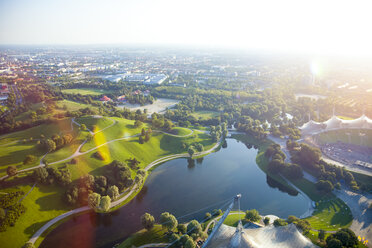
(264,237)
(334,123)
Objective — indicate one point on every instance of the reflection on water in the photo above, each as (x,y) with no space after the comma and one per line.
(183,186)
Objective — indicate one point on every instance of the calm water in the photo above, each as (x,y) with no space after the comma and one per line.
(181,188)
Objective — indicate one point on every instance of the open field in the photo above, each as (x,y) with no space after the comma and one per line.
(159,145)
(72,106)
(16,146)
(43,203)
(87,91)
(341,135)
(205,115)
(330,213)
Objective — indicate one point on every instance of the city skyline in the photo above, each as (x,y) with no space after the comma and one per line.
(318,27)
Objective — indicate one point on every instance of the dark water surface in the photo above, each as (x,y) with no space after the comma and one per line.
(181,188)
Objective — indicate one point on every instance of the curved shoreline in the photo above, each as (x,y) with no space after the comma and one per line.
(123,196)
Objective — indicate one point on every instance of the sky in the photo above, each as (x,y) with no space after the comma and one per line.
(315,26)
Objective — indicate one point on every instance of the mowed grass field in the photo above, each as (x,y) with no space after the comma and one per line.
(43,203)
(14,147)
(341,135)
(330,213)
(72,106)
(87,91)
(158,146)
(205,115)
(181,131)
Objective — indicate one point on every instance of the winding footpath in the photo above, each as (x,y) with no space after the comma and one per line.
(124,195)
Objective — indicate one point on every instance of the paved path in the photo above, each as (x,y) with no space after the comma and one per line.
(123,196)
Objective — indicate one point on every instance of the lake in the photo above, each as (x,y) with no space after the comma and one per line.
(182,188)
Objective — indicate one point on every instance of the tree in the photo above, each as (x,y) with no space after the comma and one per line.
(189,243)
(138,123)
(266,221)
(94,200)
(41,175)
(2,214)
(113,192)
(105,203)
(147,221)
(50,145)
(275,166)
(182,228)
(83,127)
(208,215)
(191,151)
(334,243)
(168,221)
(194,227)
(252,215)
(11,170)
(280,222)
(29,159)
(325,186)
(321,235)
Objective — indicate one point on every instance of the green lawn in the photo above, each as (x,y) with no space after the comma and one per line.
(155,235)
(331,215)
(87,91)
(233,219)
(180,131)
(73,106)
(341,135)
(122,128)
(43,204)
(13,148)
(159,145)
(205,115)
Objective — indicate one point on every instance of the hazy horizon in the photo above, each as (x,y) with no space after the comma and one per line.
(316,27)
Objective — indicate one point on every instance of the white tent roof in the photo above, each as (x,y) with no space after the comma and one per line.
(336,123)
(265,237)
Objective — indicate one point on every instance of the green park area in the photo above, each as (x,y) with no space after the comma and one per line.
(87,91)
(205,115)
(112,136)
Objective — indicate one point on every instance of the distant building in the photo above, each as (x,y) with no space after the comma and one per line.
(122,98)
(105,99)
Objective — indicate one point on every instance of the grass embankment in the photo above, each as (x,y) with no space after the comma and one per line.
(43,203)
(155,235)
(87,91)
(16,146)
(341,135)
(330,213)
(180,131)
